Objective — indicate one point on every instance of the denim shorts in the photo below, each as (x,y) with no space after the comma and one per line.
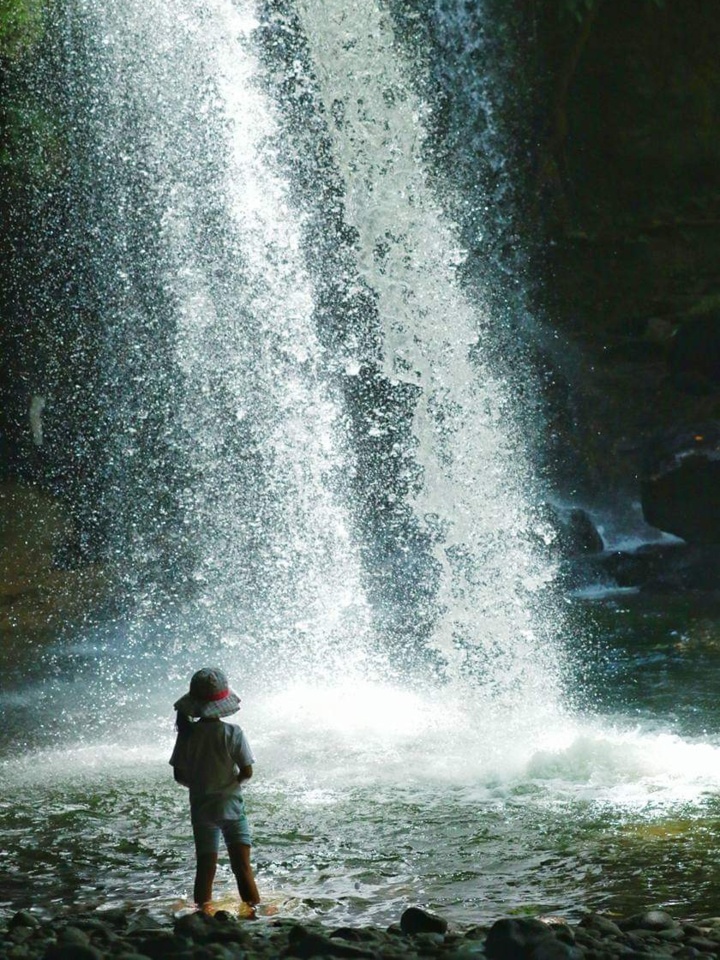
(208,822)
(207,834)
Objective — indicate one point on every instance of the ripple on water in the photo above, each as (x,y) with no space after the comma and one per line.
(368,798)
(359,853)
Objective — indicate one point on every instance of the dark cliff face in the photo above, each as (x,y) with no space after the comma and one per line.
(628,188)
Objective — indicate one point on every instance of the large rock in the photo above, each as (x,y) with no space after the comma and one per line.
(666,568)
(680,490)
(694,355)
(567,530)
(39,591)
(685,501)
(566,536)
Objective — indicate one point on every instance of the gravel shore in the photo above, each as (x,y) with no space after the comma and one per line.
(134,935)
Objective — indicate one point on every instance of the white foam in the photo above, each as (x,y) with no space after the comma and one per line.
(321,739)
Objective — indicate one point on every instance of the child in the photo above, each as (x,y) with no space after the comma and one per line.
(213,758)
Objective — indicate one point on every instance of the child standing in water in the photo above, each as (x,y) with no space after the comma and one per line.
(213,758)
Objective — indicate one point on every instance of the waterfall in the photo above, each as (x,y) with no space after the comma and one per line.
(258,420)
(213,332)
(473,493)
(271,456)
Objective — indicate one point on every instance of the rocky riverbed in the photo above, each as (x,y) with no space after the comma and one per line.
(135,935)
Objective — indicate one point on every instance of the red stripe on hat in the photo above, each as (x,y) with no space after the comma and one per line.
(217,696)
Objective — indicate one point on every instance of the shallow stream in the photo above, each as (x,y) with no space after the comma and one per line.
(372,794)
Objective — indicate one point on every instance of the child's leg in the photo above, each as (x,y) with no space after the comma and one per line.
(204,876)
(207,844)
(238,840)
(240,864)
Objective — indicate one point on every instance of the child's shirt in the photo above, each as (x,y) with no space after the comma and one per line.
(209,758)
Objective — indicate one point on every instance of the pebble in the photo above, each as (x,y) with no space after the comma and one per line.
(418,934)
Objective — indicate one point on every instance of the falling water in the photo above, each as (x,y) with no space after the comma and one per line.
(265,496)
(271,455)
(476,483)
(263,419)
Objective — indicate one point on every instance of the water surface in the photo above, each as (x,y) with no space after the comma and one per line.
(372,794)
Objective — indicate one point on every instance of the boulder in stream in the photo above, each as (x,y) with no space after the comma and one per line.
(694,355)
(666,568)
(680,489)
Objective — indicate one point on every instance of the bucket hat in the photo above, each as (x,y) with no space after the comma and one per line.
(209,696)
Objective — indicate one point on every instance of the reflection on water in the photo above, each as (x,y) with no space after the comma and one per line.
(369,796)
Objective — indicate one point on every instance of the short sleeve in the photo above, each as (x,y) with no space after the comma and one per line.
(239,747)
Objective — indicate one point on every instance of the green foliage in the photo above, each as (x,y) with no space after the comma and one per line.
(21,26)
